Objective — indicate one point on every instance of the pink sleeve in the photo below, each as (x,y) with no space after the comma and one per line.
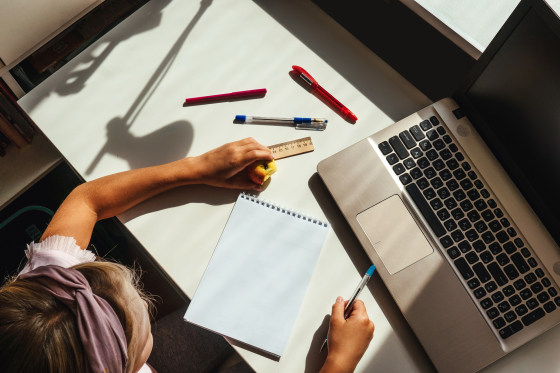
(57,250)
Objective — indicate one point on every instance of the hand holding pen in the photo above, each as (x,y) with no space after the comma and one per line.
(350,330)
(348,338)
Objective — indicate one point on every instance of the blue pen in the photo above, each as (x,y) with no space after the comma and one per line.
(317,124)
(350,304)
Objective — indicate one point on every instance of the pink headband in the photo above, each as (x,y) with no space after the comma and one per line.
(100,330)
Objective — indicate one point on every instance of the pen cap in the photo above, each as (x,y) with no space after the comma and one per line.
(317,126)
(240,118)
(305,75)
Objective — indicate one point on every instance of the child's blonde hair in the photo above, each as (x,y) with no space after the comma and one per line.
(39,333)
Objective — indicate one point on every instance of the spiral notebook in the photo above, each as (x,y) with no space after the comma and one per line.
(256,280)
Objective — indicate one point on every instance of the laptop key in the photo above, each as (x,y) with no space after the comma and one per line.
(432,154)
(530,278)
(425,145)
(446,241)
(473,283)
(453,252)
(392,159)
(423,162)
(493,312)
(426,125)
(495,248)
(520,262)
(464,268)
(445,154)
(511,272)
(532,303)
(399,147)
(407,139)
(515,300)
(491,286)
(487,215)
(464,223)
(479,293)
(443,193)
(425,209)
(533,316)
(405,179)
(423,183)
(458,214)
(510,316)
(473,216)
(509,330)
(399,168)
(439,144)
(481,272)
(498,296)
(443,214)
(499,322)
(550,306)
(438,165)
(437,183)
(509,247)
(416,173)
(445,174)
(508,290)
(434,120)
(452,184)
(497,273)
(385,148)
(409,163)
(432,135)
(503,259)
(417,133)
(416,152)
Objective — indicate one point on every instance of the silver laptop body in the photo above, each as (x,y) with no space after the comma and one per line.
(471,289)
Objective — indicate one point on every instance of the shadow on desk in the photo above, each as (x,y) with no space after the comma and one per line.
(382,85)
(181,196)
(361,261)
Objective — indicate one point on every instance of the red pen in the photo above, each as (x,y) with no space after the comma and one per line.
(226,96)
(330,98)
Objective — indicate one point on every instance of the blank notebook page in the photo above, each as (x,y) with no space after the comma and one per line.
(257,277)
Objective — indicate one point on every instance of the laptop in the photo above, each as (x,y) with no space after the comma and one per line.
(457,203)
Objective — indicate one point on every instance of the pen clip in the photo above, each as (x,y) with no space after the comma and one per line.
(305,76)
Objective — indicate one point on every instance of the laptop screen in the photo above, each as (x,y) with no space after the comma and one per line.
(517,96)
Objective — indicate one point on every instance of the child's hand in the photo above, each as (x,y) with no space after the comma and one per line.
(224,166)
(348,338)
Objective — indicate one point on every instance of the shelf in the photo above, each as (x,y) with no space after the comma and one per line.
(20,168)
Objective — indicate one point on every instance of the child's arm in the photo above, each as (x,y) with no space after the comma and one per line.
(111,195)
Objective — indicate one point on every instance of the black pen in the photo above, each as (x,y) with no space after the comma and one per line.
(350,305)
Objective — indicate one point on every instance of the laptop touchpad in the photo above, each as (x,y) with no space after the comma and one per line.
(394,234)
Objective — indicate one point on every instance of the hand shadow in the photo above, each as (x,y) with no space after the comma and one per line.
(316,358)
(166,144)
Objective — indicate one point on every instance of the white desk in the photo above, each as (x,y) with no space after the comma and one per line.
(118,105)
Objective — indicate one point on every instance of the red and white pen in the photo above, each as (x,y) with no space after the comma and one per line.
(346,113)
(226,96)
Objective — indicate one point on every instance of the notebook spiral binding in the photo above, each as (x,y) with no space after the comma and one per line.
(254,198)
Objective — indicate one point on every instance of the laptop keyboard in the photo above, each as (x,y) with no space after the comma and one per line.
(501,272)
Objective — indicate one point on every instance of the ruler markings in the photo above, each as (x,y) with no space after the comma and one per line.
(290,148)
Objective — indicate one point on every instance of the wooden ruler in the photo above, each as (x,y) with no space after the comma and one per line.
(294,147)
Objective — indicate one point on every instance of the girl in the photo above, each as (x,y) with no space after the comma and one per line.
(66,312)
